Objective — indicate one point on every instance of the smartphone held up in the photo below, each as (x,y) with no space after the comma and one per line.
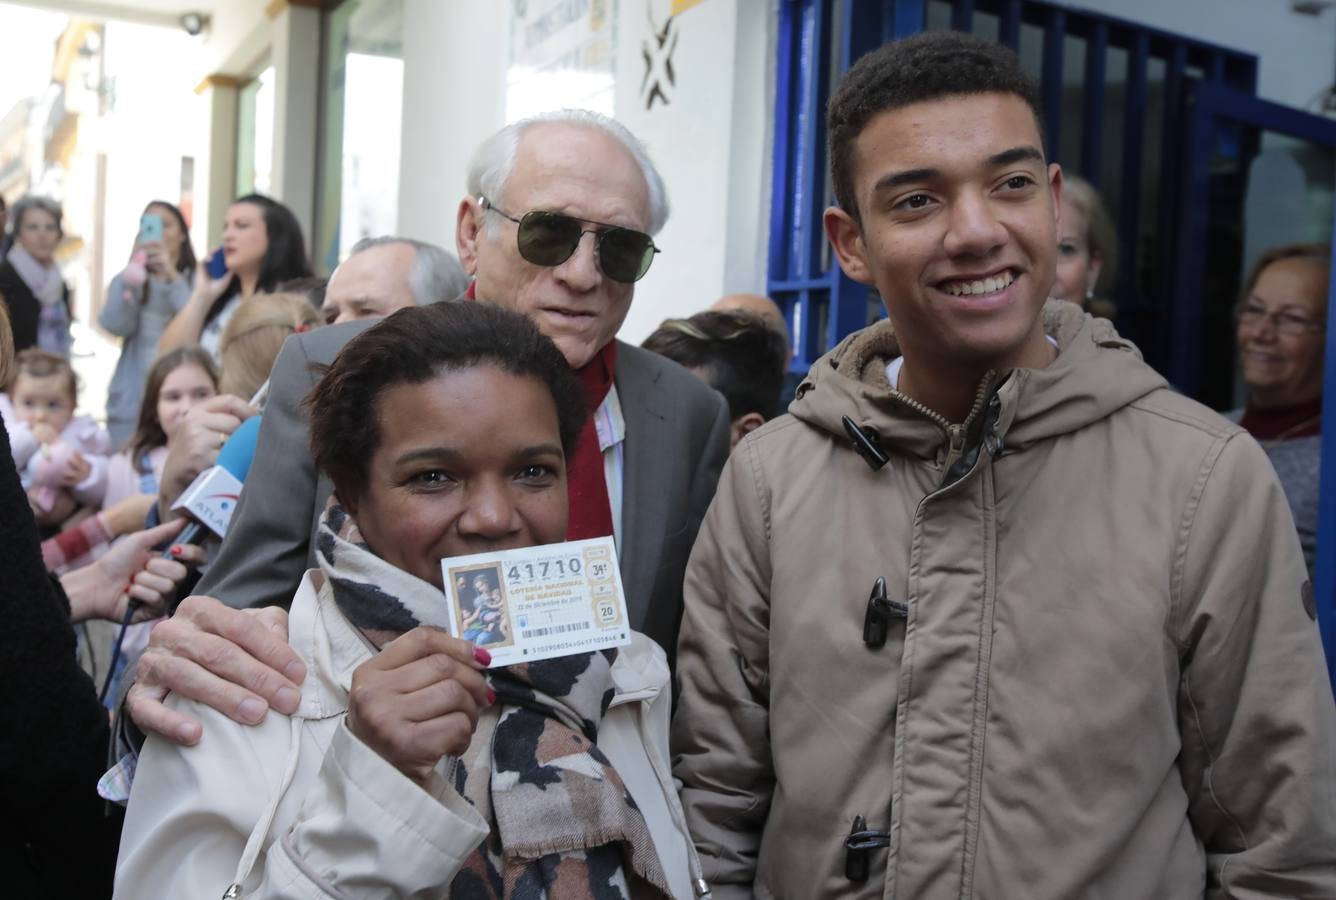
(150,228)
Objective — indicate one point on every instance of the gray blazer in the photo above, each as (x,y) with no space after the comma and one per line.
(677,438)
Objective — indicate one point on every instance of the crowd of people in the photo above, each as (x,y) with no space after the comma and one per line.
(885,637)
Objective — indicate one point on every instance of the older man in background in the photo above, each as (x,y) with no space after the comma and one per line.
(385,274)
(557,224)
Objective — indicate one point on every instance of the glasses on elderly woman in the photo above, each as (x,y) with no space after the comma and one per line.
(550,238)
(1253,314)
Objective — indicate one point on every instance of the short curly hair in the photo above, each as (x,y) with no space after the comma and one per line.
(925,67)
(415,345)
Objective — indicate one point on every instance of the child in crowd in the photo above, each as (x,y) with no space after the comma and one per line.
(178,380)
(62,457)
(254,335)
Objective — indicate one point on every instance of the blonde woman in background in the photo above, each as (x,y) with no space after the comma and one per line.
(1087,249)
(255,334)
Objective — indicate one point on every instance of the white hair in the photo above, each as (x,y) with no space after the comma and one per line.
(437,274)
(489,170)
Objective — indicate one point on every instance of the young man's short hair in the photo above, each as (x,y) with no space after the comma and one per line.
(740,355)
(925,67)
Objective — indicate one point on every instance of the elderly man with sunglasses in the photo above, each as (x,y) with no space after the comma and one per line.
(557,225)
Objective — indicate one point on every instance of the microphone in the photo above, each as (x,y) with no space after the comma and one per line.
(209,501)
(212,496)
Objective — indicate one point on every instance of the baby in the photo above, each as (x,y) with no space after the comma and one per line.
(62,457)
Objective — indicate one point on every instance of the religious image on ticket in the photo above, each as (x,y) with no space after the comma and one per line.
(538,602)
(480,611)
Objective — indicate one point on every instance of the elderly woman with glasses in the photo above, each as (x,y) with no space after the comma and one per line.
(1281,342)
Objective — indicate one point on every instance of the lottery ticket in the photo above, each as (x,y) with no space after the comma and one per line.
(538,602)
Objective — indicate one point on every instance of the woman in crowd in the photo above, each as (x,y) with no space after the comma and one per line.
(1281,335)
(262,247)
(256,333)
(140,301)
(445,430)
(30,283)
(178,380)
(1087,249)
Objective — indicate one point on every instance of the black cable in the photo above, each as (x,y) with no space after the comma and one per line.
(130,611)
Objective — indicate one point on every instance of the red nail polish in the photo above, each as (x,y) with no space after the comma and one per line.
(482,656)
(176,550)
(491,697)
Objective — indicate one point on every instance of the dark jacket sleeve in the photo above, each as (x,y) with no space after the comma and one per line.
(57,839)
(266,549)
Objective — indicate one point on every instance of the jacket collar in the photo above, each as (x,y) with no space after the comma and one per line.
(1095,373)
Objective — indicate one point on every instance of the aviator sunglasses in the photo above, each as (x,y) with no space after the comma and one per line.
(549,239)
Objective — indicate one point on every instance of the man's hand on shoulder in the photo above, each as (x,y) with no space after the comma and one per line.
(235,661)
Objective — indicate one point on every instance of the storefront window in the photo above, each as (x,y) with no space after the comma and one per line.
(562,55)
(255,134)
(361,110)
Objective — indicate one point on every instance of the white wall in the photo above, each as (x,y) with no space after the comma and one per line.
(143,156)
(1297,53)
(237,36)
(711,143)
(454,97)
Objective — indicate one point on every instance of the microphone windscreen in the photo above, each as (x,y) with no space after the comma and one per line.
(236,455)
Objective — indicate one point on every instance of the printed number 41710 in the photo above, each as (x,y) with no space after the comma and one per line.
(532,571)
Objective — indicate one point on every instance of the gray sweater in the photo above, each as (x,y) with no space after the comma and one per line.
(1297,462)
(140,324)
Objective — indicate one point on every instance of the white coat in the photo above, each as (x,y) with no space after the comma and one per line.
(298,807)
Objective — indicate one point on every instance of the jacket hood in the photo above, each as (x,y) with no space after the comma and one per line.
(1096,373)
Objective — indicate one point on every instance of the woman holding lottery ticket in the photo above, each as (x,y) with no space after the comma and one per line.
(412,768)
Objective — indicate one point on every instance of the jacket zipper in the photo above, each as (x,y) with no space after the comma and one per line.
(989,441)
(955,434)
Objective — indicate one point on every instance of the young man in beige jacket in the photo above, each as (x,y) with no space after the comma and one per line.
(1048,633)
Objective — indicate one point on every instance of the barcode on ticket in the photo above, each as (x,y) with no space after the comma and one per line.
(554,629)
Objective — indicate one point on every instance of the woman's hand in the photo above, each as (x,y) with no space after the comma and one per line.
(188,324)
(131,570)
(157,261)
(418,700)
(207,288)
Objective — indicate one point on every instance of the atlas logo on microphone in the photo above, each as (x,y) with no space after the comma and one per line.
(211,498)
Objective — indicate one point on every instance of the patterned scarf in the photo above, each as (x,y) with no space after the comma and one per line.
(563,825)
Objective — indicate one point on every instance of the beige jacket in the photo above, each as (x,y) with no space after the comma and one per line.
(1107,681)
(300,808)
